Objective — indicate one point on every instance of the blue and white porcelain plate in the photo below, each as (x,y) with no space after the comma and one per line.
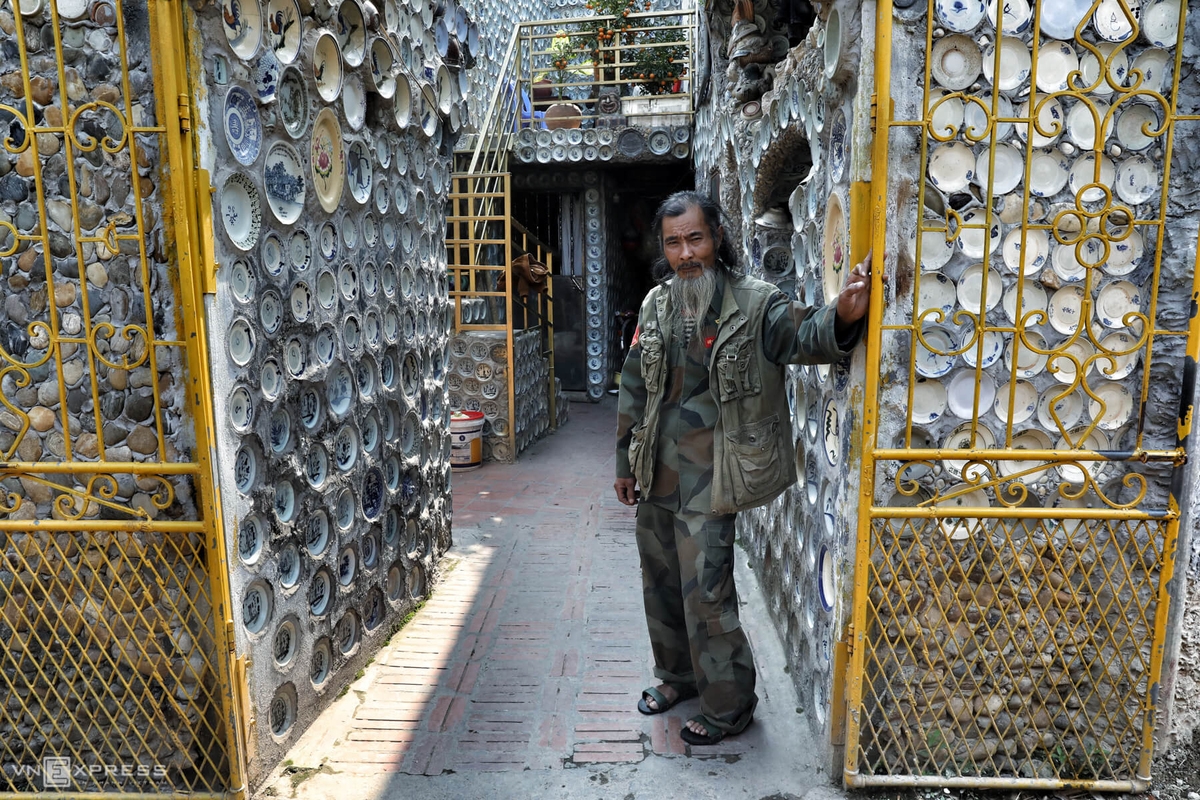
(283,180)
(243,128)
(960,16)
(838,136)
(266,76)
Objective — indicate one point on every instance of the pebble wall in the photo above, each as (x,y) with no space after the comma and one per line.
(101,630)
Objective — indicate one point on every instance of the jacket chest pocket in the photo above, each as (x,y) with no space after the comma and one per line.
(653,360)
(737,370)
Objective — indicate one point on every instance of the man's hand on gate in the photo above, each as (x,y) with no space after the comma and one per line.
(855,297)
(626,490)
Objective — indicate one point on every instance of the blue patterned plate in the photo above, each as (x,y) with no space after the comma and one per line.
(243,128)
(283,180)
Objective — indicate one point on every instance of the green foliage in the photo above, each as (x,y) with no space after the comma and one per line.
(649,54)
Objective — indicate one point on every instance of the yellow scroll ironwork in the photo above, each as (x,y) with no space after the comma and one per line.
(114,609)
(1018,526)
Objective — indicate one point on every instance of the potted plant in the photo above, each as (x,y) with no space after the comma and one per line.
(562,58)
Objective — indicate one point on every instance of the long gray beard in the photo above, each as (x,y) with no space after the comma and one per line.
(690,299)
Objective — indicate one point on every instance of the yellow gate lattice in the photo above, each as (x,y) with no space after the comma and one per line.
(114,618)
(1018,524)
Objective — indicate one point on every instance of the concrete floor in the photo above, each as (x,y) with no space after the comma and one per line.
(520,676)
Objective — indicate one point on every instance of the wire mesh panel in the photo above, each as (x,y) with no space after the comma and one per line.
(1011,596)
(113,670)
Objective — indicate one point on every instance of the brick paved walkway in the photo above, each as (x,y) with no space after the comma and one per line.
(532,651)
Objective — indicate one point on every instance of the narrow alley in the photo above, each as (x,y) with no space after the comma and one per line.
(519,676)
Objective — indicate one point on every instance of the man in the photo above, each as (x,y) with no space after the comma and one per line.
(704,431)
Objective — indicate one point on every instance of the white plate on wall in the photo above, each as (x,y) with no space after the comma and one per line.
(1026,440)
(1029,362)
(1024,403)
(1033,298)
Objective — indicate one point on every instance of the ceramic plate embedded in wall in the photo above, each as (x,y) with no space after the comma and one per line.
(838,145)
(1026,440)
(285,27)
(961,438)
(1135,126)
(976,122)
(428,111)
(243,128)
(937,293)
(445,91)
(241,281)
(370,230)
(1154,64)
(1159,22)
(402,102)
(292,101)
(300,253)
(1065,364)
(328,241)
(267,70)
(383,196)
(283,182)
(1024,399)
(242,22)
(1066,309)
(388,231)
(1117,300)
(327,67)
(1084,173)
(951,167)
(955,62)
(1049,171)
(836,248)
(1073,472)
(1059,20)
(1009,168)
(240,211)
(354,101)
(1056,61)
(959,16)
(974,239)
(929,401)
(301,302)
(832,433)
(1138,180)
(359,171)
(382,67)
(961,392)
(1049,123)
(270,311)
(1033,298)
(1112,405)
(1124,255)
(351,32)
(1090,67)
(987,349)
(1036,249)
(1017,16)
(1029,362)
(932,352)
(1015,64)
(328,161)
(1112,23)
(1081,123)
(241,342)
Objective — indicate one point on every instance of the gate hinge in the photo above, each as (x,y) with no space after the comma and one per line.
(185,113)
(874,110)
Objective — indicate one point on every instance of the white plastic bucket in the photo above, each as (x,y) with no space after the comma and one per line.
(466,442)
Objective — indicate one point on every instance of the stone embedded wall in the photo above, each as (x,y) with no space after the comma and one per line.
(329,334)
(94,624)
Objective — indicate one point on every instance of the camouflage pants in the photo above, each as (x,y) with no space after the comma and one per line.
(691,611)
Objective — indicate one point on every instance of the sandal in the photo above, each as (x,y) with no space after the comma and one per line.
(711,735)
(661,701)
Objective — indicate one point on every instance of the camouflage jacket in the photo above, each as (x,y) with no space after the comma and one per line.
(729,440)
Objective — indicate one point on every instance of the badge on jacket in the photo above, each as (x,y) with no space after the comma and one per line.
(708,341)
(637,334)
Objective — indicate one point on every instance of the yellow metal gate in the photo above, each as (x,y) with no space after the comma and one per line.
(115,627)
(1018,526)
